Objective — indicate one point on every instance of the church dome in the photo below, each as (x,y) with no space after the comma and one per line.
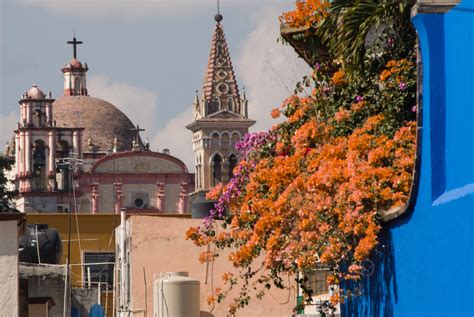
(101,120)
(35,93)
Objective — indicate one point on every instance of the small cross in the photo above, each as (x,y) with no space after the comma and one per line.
(137,130)
(74,43)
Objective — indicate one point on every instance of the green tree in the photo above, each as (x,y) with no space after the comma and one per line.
(349,24)
(6,196)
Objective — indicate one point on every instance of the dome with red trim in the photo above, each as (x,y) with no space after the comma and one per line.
(35,93)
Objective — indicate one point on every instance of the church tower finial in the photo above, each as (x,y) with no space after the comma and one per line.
(74,43)
(220,89)
(75,73)
(218,16)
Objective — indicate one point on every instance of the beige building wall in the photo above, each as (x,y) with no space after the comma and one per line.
(158,245)
(106,198)
(9,296)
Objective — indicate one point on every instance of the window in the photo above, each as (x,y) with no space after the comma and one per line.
(216,170)
(215,140)
(317,281)
(77,86)
(39,166)
(232,164)
(100,272)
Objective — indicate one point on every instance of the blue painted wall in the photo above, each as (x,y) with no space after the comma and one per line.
(424,264)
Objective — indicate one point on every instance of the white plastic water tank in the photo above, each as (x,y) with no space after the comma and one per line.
(176,295)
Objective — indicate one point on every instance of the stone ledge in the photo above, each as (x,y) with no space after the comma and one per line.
(433,6)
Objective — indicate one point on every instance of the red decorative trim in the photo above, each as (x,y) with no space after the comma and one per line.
(153,176)
(50,129)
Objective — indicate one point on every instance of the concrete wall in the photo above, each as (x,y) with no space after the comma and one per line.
(9,295)
(45,280)
(158,245)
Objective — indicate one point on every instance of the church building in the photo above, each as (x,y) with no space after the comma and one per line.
(83,154)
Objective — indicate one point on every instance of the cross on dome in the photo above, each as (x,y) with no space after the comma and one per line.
(136,144)
(74,43)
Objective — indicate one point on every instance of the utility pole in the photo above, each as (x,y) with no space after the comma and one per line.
(71,164)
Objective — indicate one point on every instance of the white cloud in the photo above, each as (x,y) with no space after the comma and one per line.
(135,8)
(121,8)
(8,123)
(177,138)
(269,70)
(139,104)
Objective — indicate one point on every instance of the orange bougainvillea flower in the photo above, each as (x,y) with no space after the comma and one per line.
(307,13)
(215,192)
(338,78)
(211,299)
(385,74)
(357,106)
(342,115)
(275,113)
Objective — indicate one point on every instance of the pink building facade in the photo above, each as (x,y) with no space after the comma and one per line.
(156,244)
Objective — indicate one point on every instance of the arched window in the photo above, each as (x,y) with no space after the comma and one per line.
(232,164)
(39,155)
(197,177)
(230,104)
(62,149)
(216,169)
(214,106)
(220,50)
(39,166)
(225,140)
(77,86)
(38,118)
(215,140)
(235,139)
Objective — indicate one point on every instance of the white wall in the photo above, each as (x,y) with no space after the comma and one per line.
(9,297)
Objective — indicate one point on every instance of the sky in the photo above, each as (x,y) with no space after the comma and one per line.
(147,57)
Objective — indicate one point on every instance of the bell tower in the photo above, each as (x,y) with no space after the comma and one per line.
(75,74)
(33,146)
(220,116)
